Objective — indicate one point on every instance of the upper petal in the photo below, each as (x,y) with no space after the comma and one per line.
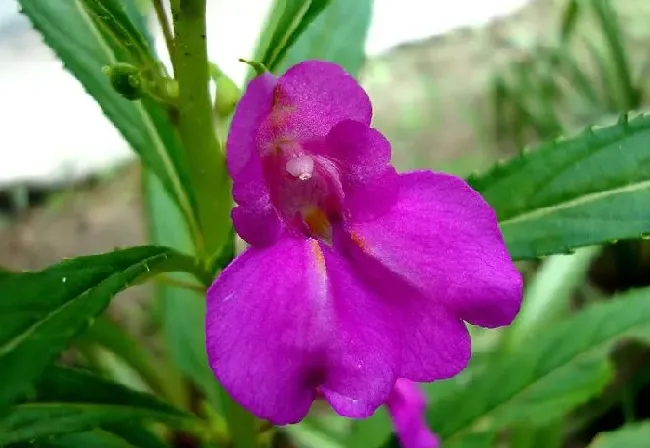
(274,118)
(288,320)
(311,98)
(254,106)
(362,155)
(443,239)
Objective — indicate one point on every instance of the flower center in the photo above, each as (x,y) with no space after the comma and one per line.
(301,167)
(305,188)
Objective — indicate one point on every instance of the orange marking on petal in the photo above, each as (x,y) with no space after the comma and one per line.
(280,111)
(277,96)
(279,115)
(358,241)
(318,256)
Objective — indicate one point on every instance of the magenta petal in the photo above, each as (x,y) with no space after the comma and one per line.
(290,320)
(255,219)
(406,407)
(317,95)
(252,109)
(364,354)
(259,337)
(362,154)
(442,238)
(257,226)
(434,342)
(363,151)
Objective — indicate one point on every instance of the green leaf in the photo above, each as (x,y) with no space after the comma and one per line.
(182,310)
(287,21)
(586,190)
(115,338)
(338,35)
(476,440)
(608,81)
(88,439)
(184,335)
(136,434)
(69,400)
(569,20)
(628,94)
(84,50)
(553,371)
(513,116)
(546,436)
(536,90)
(371,432)
(633,436)
(41,311)
(31,421)
(117,27)
(308,437)
(577,78)
(547,296)
(77,386)
(142,438)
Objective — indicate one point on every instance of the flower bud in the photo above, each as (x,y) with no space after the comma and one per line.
(126,79)
(227,97)
(259,68)
(227,93)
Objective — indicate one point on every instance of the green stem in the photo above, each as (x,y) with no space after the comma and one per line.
(180,284)
(196,124)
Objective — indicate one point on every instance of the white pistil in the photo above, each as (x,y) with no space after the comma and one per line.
(301,167)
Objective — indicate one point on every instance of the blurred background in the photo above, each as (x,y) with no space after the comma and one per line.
(72,185)
(455,86)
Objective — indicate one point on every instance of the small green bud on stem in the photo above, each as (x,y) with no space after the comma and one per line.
(228,94)
(259,68)
(126,79)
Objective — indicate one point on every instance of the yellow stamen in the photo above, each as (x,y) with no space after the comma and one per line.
(318,223)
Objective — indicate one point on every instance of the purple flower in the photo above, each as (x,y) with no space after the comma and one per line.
(356,275)
(406,405)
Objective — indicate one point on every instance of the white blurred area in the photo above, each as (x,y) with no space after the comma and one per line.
(51,131)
